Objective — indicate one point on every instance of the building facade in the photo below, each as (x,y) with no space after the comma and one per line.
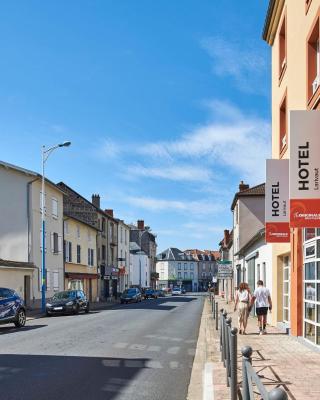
(207,266)
(80,257)
(176,268)
(139,267)
(123,255)
(21,234)
(292,30)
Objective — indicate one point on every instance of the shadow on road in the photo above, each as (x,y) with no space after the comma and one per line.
(12,329)
(64,377)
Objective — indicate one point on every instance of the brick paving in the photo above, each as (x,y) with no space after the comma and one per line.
(280,360)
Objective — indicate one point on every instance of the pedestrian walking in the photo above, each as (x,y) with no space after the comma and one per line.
(262,298)
(243,299)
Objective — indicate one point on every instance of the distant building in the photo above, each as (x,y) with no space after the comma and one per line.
(146,240)
(207,266)
(175,267)
(139,270)
(123,254)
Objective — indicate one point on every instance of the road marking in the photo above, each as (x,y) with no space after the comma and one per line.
(173,350)
(134,364)
(208,392)
(120,345)
(191,352)
(137,347)
(154,364)
(174,364)
(154,348)
(176,339)
(190,341)
(111,363)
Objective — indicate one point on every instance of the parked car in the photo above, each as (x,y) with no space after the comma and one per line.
(12,309)
(183,290)
(176,291)
(68,302)
(141,290)
(131,295)
(161,293)
(151,293)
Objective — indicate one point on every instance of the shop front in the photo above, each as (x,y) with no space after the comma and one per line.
(83,281)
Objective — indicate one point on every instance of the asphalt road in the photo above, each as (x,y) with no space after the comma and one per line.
(139,351)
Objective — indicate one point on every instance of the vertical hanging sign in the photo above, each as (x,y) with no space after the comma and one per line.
(277,201)
(304,169)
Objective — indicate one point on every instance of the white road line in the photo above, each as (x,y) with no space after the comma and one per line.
(208,392)
(111,363)
(174,364)
(173,350)
(120,345)
(137,347)
(154,364)
(154,348)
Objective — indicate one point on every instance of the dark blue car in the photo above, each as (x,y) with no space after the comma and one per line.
(12,309)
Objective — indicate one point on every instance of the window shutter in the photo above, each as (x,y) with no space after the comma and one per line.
(56,280)
(70,251)
(59,244)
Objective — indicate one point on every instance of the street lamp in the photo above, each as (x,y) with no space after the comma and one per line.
(45,155)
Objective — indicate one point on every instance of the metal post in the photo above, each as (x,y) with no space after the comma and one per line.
(227,344)
(43,225)
(278,394)
(214,309)
(233,363)
(222,324)
(246,358)
(216,313)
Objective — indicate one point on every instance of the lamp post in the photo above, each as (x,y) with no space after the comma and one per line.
(45,155)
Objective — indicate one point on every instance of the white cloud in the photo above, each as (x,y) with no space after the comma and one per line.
(196,208)
(243,62)
(182,172)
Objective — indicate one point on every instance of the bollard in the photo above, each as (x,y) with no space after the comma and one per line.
(216,313)
(278,394)
(233,363)
(222,320)
(212,307)
(246,358)
(227,345)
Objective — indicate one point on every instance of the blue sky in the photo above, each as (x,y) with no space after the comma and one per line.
(167,105)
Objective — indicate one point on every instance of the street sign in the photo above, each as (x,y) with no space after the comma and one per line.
(225,270)
(277,202)
(214,279)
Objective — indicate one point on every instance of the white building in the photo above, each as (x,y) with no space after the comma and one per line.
(21,231)
(139,271)
(177,268)
(123,255)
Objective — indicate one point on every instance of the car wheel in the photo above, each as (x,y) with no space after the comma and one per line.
(21,319)
(87,310)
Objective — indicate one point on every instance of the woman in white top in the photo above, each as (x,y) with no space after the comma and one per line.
(243,299)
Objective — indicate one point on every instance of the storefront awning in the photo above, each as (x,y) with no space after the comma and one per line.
(78,275)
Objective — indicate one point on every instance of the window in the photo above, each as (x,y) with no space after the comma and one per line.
(191,275)
(179,275)
(179,265)
(103,225)
(191,266)
(55,243)
(313,62)
(67,251)
(283,125)
(78,232)
(103,252)
(309,233)
(66,227)
(55,280)
(54,205)
(203,266)
(310,251)
(78,253)
(126,234)
(90,257)
(185,266)
(185,275)
(282,48)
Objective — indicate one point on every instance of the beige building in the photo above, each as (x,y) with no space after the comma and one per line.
(20,233)
(292,30)
(123,255)
(80,251)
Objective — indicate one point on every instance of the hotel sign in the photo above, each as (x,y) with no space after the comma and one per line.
(277,201)
(304,169)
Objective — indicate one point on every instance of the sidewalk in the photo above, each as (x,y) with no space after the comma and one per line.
(102,305)
(280,360)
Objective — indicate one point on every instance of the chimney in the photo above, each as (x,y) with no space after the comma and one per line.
(109,212)
(140,224)
(243,186)
(226,237)
(96,200)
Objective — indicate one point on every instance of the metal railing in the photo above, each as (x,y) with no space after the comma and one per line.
(228,348)
(250,377)
(214,309)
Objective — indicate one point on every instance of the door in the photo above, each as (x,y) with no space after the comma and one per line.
(27,290)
